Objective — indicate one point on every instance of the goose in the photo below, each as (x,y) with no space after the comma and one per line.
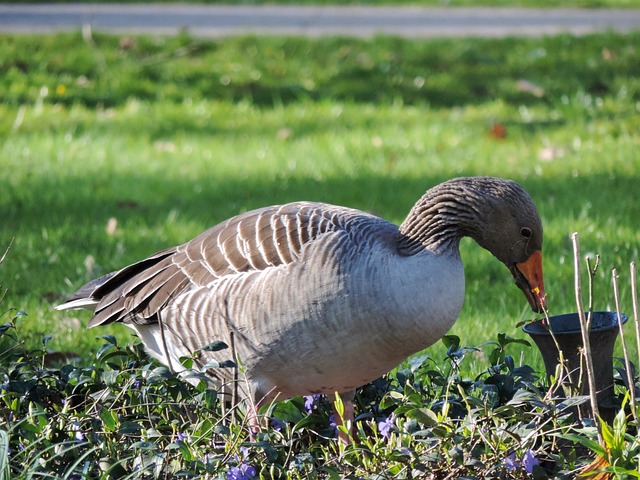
(313,298)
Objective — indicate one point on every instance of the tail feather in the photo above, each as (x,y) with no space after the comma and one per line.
(105,295)
(84,297)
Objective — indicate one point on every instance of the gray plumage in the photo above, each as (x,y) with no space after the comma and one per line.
(316,298)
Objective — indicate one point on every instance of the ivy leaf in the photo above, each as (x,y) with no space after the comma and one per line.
(423,415)
(214,346)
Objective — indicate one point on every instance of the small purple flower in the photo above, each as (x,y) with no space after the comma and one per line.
(386,425)
(244,471)
(511,462)
(78,435)
(277,424)
(310,402)
(181,437)
(526,462)
(529,461)
(332,421)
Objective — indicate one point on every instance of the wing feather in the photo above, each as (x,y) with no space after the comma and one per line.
(250,242)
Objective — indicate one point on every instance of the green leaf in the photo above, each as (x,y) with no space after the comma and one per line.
(4,456)
(416,362)
(114,354)
(423,415)
(391,399)
(143,445)
(216,364)
(186,362)
(592,445)
(110,339)
(607,434)
(214,346)
(110,419)
(104,348)
(110,377)
(451,342)
(287,411)
(333,474)
(339,406)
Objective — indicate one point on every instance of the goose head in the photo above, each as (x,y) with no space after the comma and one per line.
(497,213)
(510,228)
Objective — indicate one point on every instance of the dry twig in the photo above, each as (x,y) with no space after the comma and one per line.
(627,362)
(585,334)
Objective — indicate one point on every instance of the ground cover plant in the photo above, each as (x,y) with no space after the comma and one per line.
(113,148)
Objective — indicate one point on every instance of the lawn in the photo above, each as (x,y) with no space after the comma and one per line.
(115,148)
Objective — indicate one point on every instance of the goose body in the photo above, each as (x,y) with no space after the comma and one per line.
(316,298)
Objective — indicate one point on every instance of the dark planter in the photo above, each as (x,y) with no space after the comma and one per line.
(566,328)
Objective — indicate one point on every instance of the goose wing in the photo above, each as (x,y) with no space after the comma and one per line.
(253,241)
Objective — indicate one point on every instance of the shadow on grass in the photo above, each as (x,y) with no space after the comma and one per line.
(75,216)
(269,71)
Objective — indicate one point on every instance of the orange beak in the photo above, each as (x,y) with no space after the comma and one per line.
(529,279)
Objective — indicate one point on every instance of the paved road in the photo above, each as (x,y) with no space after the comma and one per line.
(220,20)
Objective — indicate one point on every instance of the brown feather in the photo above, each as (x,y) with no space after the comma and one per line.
(255,240)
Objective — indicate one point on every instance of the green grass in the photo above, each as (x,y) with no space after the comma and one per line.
(161,138)
(171,136)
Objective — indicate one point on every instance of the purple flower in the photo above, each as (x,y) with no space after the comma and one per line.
(277,424)
(181,437)
(245,452)
(529,461)
(310,402)
(511,462)
(526,462)
(244,471)
(332,421)
(78,435)
(386,425)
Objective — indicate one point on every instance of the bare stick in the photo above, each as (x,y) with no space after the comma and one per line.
(627,363)
(585,335)
(592,275)
(564,368)
(7,250)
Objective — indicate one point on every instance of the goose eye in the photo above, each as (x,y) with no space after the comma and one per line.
(525,232)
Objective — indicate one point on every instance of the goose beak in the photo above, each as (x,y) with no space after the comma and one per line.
(529,279)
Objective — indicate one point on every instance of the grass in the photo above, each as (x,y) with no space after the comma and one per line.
(115,148)
(169,136)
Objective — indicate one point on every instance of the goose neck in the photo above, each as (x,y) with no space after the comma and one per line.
(438,221)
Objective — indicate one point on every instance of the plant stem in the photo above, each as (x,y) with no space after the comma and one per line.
(7,250)
(627,363)
(592,275)
(636,318)
(585,335)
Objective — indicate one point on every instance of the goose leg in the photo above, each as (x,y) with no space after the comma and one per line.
(254,422)
(348,418)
